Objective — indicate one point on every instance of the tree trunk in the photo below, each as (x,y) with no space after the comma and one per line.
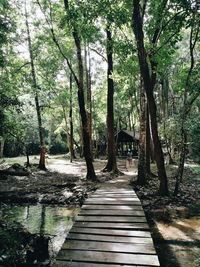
(141,180)
(148,140)
(89,95)
(84,119)
(111,149)
(2,141)
(145,74)
(27,157)
(187,104)
(81,100)
(41,135)
(179,176)
(40,128)
(71,134)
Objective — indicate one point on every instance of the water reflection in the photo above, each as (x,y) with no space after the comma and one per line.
(54,221)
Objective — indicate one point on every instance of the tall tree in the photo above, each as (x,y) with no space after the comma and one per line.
(35,87)
(79,79)
(111,148)
(81,99)
(188,97)
(149,86)
(142,173)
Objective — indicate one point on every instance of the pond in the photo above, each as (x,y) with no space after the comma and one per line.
(54,221)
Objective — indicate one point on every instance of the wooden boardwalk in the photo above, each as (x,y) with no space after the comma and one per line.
(111,230)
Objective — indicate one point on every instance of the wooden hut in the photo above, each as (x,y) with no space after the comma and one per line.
(126,140)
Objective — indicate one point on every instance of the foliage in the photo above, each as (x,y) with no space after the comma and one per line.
(169,49)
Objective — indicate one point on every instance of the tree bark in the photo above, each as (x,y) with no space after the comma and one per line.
(84,119)
(145,74)
(81,100)
(2,141)
(187,103)
(71,135)
(111,149)
(147,147)
(38,110)
(179,176)
(141,179)
(89,95)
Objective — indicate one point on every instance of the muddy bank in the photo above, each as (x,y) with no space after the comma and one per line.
(45,187)
(174,221)
(63,183)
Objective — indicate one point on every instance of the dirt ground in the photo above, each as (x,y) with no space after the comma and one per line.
(175,233)
(62,183)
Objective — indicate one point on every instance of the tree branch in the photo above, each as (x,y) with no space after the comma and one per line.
(98,53)
(50,24)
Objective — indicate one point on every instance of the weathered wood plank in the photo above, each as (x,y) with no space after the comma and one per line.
(113,225)
(110,219)
(108,199)
(110,232)
(112,207)
(116,199)
(112,202)
(112,213)
(109,238)
(115,191)
(114,195)
(108,257)
(63,263)
(109,247)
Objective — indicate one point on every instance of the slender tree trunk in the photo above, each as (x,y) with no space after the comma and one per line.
(145,74)
(111,149)
(84,119)
(167,144)
(148,140)
(27,157)
(71,135)
(41,135)
(179,176)
(187,104)
(141,180)
(38,110)
(89,94)
(2,141)
(81,100)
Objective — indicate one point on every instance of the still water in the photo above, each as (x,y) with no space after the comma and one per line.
(54,221)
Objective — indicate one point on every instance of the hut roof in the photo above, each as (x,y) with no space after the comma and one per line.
(127,136)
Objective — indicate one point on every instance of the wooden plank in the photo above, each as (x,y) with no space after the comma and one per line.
(108,199)
(111,207)
(63,263)
(114,199)
(112,202)
(113,225)
(110,219)
(112,213)
(108,257)
(114,195)
(109,247)
(109,238)
(115,191)
(110,232)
